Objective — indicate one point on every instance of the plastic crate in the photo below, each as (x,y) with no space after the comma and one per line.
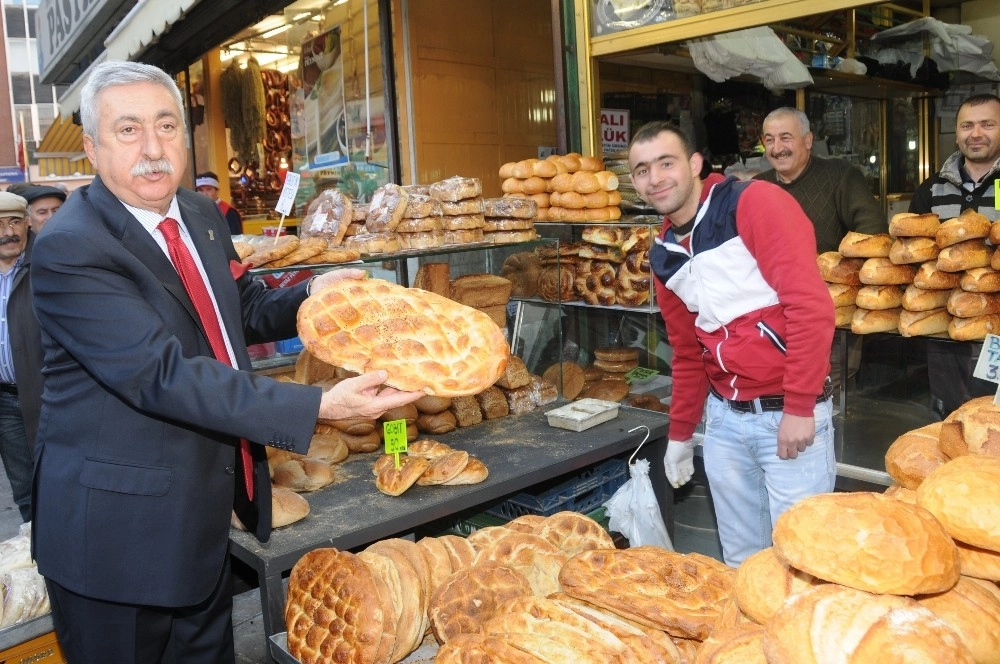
(583,493)
(463,526)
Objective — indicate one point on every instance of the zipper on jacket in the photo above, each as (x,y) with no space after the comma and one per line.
(775,338)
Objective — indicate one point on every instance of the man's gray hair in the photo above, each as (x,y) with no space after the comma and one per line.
(788,110)
(117,72)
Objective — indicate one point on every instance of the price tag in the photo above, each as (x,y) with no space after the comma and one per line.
(640,373)
(394,435)
(988,364)
(287,197)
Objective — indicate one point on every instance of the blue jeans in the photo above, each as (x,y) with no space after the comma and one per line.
(15,454)
(750,485)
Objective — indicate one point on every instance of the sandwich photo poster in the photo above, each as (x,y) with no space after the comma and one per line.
(319,120)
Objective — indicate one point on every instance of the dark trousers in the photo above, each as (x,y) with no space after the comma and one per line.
(949,373)
(15,453)
(93,631)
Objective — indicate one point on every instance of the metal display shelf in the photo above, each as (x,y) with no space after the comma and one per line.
(520,451)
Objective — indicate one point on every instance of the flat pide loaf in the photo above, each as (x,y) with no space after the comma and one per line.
(869,542)
(424,341)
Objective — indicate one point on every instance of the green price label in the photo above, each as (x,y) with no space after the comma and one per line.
(394,434)
(640,373)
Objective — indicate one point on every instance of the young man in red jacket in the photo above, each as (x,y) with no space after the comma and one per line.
(751,323)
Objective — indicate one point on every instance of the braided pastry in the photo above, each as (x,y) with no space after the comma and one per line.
(595,282)
(632,284)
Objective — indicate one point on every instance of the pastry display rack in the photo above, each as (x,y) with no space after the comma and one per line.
(401,268)
(585,325)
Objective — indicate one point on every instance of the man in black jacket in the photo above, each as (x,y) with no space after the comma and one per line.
(20,352)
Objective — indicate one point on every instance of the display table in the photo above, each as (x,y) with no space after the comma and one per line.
(520,451)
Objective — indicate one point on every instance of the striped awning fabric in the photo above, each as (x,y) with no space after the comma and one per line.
(61,151)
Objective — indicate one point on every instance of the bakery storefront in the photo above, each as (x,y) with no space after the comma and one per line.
(353,96)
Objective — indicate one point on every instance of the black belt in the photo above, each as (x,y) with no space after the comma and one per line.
(8,388)
(769,402)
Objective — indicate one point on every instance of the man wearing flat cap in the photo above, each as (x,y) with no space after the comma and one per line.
(208,183)
(20,352)
(43,201)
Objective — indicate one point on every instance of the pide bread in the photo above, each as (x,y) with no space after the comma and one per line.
(833,623)
(914,454)
(572,533)
(909,224)
(922,299)
(863,245)
(533,556)
(909,250)
(964,495)
(424,341)
(870,321)
(470,596)
(883,272)
(764,582)
(835,268)
(475,647)
(964,256)
(923,323)
(879,297)
(743,644)
(677,593)
(330,608)
(869,542)
(929,277)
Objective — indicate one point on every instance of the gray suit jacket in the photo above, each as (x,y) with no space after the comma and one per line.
(136,465)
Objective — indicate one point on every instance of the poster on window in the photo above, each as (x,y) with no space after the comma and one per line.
(319,123)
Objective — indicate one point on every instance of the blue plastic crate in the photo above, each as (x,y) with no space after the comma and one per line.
(293,345)
(583,493)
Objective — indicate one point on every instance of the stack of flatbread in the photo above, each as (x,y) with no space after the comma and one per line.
(287,250)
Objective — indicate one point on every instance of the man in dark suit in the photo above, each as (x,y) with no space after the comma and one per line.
(138,455)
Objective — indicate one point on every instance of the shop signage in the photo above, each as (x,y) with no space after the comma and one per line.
(988,365)
(11,174)
(72,32)
(614,129)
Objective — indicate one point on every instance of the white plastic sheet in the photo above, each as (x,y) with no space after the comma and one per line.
(756,51)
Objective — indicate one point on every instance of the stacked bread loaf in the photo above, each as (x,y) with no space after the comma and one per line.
(486,292)
(567,187)
(427,463)
(924,277)
(509,219)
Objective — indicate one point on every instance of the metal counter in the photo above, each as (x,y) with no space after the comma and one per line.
(520,451)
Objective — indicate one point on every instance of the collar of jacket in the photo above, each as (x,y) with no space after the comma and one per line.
(951,170)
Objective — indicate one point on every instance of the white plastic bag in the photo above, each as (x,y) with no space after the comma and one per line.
(634,512)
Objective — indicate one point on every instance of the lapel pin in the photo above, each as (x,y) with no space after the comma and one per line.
(211,235)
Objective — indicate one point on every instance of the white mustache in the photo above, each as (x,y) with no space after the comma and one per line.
(147,167)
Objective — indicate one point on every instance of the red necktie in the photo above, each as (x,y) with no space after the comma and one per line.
(198,292)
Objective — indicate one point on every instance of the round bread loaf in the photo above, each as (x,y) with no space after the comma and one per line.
(978,424)
(736,645)
(303,474)
(870,321)
(879,297)
(909,250)
(863,245)
(978,563)
(929,277)
(869,542)
(835,268)
(764,582)
(964,495)
(964,256)
(924,323)
(898,492)
(923,299)
(567,376)
(617,354)
(974,328)
(974,613)
(883,272)
(909,224)
(969,225)
(607,390)
(913,455)
(832,623)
